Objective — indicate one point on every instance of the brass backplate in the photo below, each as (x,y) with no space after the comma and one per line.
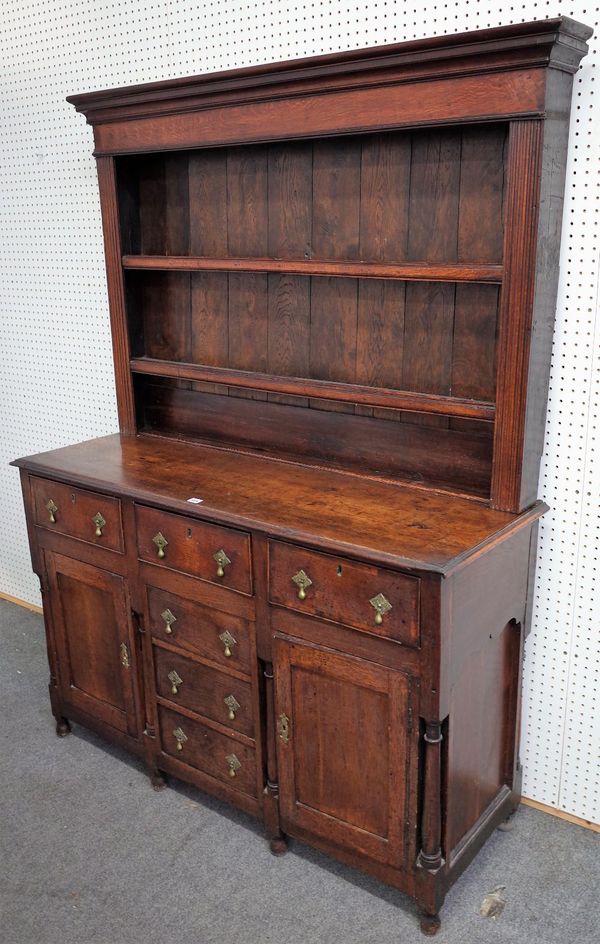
(228,641)
(100,523)
(168,619)
(222,561)
(381,604)
(302,580)
(161,542)
(233,704)
(233,763)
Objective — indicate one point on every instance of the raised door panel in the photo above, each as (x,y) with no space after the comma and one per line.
(92,623)
(343,749)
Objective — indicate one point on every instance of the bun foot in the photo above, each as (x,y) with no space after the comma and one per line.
(158,780)
(507,825)
(430,924)
(278,845)
(63,727)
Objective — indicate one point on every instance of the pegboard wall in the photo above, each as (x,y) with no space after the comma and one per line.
(54,311)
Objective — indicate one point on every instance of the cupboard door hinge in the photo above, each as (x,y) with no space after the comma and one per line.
(410,719)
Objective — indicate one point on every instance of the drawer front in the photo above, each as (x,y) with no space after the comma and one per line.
(193,743)
(364,597)
(219,555)
(78,513)
(207,691)
(215,635)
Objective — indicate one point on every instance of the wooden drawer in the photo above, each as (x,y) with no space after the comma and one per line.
(208,750)
(342,591)
(215,635)
(191,546)
(87,516)
(207,691)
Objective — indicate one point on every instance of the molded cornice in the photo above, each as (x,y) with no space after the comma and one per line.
(556,43)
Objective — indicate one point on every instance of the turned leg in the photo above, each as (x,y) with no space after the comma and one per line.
(62,727)
(158,780)
(278,845)
(506,825)
(62,724)
(277,841)
(430,923)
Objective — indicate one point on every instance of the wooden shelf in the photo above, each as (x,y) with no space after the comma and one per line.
(349,393)
(416,271)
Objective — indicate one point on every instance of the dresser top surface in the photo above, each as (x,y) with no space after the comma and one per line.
(339,511)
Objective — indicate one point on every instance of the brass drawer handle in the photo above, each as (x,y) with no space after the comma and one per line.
(100,523)
(302,581)
(51,508)
(168,618)
(233,764)
(222,562)
(228,642)
(175,681)
(180,737)
(161,542)
(233,705)
(381,606)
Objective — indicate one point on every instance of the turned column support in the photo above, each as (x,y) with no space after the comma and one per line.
(277,840)
(430,855)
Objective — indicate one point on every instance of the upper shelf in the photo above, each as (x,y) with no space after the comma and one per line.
(423,271)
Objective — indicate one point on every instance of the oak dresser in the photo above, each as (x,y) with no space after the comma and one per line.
(299,577)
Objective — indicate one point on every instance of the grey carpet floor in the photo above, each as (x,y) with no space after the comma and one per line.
(90,853)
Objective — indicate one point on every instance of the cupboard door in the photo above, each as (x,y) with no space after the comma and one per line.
(94,639)
(342,744)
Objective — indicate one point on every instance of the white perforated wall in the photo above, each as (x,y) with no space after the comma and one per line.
(55,353)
